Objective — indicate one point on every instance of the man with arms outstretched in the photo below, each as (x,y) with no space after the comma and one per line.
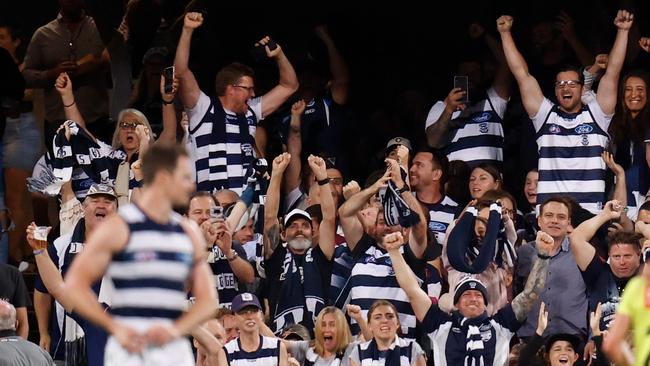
(571,135)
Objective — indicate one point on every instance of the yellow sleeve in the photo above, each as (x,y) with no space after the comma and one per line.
(631,296)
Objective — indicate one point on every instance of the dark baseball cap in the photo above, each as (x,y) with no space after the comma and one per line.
(398,141)
(243,300)
(572,339)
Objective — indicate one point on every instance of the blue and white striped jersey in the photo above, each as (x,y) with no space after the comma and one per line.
(570,148)
(150,274)
(479,133)
(268,354)
(441,214)
(222,153)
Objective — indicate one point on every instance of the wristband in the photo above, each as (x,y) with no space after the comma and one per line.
(542,256)
(405,188)
(323,182)
(166,102)
(234,256)
(69,105)
(38,251)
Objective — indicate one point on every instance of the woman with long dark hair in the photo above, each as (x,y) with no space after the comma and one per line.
(630,135)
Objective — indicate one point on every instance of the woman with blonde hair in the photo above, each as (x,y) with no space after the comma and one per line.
(332,341)
(80,157)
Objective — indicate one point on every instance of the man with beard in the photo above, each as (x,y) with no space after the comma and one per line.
(571,136)
(372,277)
(53,264)
(298,273)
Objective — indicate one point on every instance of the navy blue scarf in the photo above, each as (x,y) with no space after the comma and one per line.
(460,250)
(301,294)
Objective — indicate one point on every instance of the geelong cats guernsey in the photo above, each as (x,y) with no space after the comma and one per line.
(570,148)
(151,272)
(479,133)
(267,354)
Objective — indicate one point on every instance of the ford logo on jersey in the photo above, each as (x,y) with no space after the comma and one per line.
(437,226)
(483,117)
(583,129)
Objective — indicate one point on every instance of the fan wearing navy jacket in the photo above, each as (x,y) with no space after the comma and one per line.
(468,336)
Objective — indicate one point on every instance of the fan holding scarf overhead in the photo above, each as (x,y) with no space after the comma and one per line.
(478,244)
(82,159)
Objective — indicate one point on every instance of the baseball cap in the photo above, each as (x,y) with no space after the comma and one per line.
(470,283)
(243,300)
(295,214)
(572,339)
(100,188)
(398,141)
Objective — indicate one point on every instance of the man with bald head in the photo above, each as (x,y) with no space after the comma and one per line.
(13,349)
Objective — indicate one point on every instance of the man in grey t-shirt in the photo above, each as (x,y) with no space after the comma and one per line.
(15,351)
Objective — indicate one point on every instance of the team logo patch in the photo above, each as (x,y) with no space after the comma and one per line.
(585,140)
(472,285)
(437,226)
(583,129)
(483,117)
(247,297)
(483,127)
(554,129)
(247,149)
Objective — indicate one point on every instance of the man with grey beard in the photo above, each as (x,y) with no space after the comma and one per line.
(297,273)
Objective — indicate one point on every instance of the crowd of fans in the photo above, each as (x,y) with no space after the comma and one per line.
(509,225)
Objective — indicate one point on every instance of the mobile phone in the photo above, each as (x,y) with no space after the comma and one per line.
(259,52)
(168,74)
(462,82)
(216,212)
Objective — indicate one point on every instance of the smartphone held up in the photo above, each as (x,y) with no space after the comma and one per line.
(168,74)
(462,82)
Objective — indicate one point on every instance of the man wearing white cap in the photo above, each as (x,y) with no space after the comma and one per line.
(298,273)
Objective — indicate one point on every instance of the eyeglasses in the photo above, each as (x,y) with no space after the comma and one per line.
(570,83)
(249,89)
(129,125)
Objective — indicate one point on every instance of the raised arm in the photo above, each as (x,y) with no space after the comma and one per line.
(418,236)
(271,223)
(439,133)
(502,78)
(564,23)
(531,94)
(608,86)
(63,85)
(287,85)
(407,280)
(242,269)
(294,147)
(168,134)
(523,303)
(49,272)
(583,251)
(189,88)
(352,227)
(327,228)
(338,67)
